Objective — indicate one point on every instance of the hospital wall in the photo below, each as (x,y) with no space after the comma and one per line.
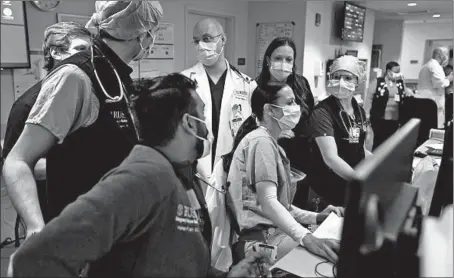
(321,41)
(388,33)
(262,12)
(414,41)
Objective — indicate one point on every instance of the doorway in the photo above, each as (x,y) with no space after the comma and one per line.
(432,44)
(227,22)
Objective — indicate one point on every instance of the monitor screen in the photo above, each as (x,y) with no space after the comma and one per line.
(354,18)
(14,36)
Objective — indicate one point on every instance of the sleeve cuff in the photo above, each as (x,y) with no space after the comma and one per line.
(304,234)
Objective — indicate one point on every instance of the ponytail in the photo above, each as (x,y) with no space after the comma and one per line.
(246,127)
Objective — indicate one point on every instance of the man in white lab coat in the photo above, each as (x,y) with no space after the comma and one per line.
(225,91)
(433,81)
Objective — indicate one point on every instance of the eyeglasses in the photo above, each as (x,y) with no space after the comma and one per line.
(206,39)
(347,77)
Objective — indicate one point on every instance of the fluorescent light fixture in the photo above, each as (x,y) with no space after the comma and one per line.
(411,4)
(436,15)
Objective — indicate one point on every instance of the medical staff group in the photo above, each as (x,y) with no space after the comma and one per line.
(179,175)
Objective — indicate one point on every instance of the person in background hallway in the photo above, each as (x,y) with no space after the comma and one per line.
(279,64)
(386,95)
(449,90)
(61,40)
(144,218)
(432,81)
(223,88)
(81,121)
(339,128)
(261,189)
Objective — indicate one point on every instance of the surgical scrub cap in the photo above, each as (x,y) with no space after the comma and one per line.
(351,64)
(125,20)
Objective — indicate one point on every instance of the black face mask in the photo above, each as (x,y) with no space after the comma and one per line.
(199,143)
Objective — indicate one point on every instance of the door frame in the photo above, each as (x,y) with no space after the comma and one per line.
(231,30)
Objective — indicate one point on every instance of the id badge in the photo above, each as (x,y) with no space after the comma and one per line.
(269,250)
(354,135)
(236,118)
(396,98)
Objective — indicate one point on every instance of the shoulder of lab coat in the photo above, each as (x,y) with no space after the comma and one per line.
(195,69)
(439,79)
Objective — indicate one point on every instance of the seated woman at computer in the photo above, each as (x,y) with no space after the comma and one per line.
(338,126)
(383,101)
(261,190)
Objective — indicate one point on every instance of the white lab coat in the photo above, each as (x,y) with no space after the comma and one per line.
(235,108)
(431,84)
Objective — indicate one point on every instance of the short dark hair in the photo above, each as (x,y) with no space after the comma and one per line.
(60,35)
(391,65)
(261,96)
(160,104)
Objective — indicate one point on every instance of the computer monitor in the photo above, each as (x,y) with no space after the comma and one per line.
(443,190)
(379,199)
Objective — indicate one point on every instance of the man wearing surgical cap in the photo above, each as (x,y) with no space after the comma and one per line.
(81,121)
(338,130)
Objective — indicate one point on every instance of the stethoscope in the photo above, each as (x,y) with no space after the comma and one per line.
(121,86)
(342,111)
(222,190)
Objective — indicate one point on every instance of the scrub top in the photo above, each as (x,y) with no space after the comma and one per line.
(329,119)
(217,91)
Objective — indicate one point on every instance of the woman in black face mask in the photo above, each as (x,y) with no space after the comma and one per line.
(386,96)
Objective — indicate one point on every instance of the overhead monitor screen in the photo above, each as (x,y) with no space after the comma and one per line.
(14,36)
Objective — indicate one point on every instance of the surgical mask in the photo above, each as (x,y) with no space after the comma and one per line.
(394,76)
(291,116)
(445,61)
(206,52)
(144,52)
(281,70)
(346,89)
(204,148)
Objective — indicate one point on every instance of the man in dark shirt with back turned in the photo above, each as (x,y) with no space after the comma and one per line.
(61,40)
(147,217)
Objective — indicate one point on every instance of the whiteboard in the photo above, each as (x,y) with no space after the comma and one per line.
(266,32)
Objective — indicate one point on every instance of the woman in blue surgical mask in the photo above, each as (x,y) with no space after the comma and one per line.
(279,65)
(338,127)
(383,102)
(261,187)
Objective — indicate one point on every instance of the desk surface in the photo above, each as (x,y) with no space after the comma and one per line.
(423,148)
(302,263)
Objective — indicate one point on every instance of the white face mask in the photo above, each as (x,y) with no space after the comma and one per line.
(144,52)
(207,142)
(346,89)
(206,52)
(291,116)
(281,70)
(394,76)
